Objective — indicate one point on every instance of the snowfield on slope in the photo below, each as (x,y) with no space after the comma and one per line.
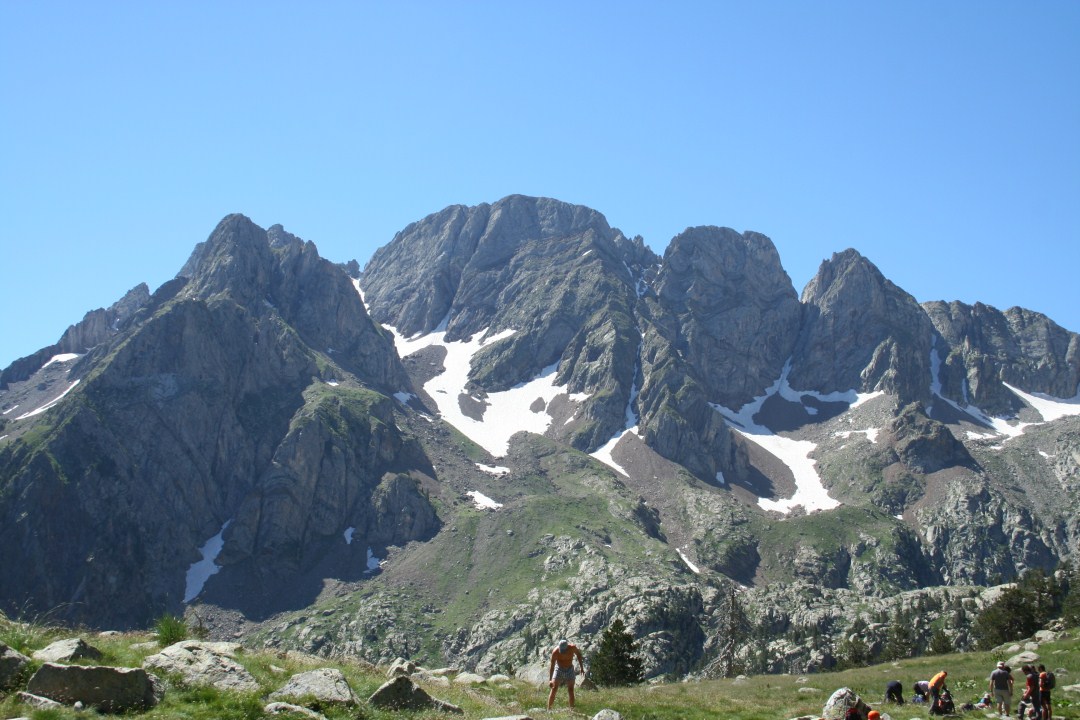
(506,412)
(810,493)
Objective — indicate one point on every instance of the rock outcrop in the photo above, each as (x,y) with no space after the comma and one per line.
(401,693)
(203,664)
(109,689)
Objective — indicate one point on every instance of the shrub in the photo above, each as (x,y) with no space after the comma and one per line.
(170,629)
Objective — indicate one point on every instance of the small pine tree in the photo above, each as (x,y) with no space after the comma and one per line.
(616,662)
(940,644)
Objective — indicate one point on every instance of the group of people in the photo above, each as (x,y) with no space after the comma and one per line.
(933,691)
(1034,702)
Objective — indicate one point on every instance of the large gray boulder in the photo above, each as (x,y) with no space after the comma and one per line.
(204,664)
(66,651)
(840,701)
(1028,657)
(109,689)
(12,665)
(324,685)
(401,693)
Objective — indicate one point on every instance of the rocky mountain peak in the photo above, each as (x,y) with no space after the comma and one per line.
(413,282)
(860,331)
(737,308)
(984,347)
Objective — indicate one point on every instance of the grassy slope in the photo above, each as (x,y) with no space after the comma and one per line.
(764,696)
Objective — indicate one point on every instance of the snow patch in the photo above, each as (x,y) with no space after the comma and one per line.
(493,469)
(200,571)
(693,568)
(49,404)
(810,493)
(1050,407)
(603,453)
(505,413)
(61,358)
(332,383)
(720,478)
(9,409)
(404,397)
(373,563)
(871,434)
(349,535)
(482,501)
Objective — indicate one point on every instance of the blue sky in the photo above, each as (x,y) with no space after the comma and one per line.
(941,140)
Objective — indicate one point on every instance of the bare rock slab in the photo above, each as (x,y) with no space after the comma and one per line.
(401,693)
(66,651)
(110,689)
(204,664)
(283,708)
(325,685)
(37,702)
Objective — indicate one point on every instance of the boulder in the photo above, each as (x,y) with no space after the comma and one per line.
(1072,688)
(324,685)
(110,689)
(838,703)
(204,664)
(1020,659)
(401,666)
(401,693)
(807,690)
(37,702)
(468,678)
(66,651)
(283,708)
(427,678)
(511,717)
(607,714)
(12,665)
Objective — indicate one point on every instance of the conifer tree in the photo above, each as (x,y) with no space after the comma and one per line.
(616,660)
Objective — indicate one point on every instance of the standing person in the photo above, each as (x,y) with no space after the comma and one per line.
(937,684)
(1047,681)
(1031,691)
(1001,688)
(561,670)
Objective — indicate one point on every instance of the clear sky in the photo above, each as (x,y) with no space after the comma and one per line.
(940,139)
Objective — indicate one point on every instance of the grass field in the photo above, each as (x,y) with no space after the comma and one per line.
(764,697)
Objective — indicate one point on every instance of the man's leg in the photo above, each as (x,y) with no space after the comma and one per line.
(570,690)
(551,695)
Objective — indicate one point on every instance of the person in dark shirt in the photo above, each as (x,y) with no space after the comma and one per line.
(894,692)
(1001,688)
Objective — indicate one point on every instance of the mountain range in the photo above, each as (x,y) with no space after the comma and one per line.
(517,424)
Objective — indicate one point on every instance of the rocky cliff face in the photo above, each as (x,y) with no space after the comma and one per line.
(984,348)
(861,331)
(670,431)
(254,394)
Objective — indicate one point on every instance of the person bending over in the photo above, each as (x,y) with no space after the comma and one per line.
(561,670)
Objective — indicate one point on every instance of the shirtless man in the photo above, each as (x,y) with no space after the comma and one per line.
(561,670)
